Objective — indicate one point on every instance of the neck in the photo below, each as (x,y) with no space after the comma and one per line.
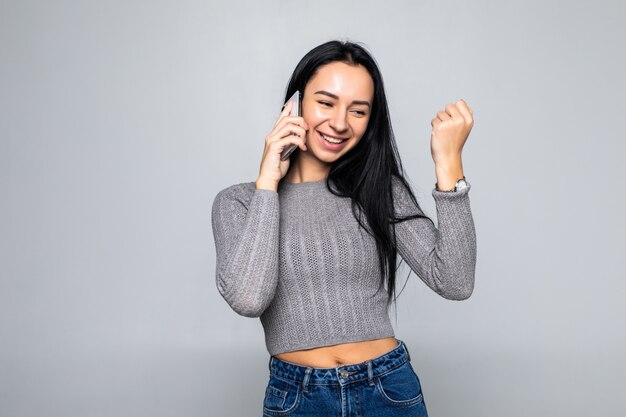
(307,169)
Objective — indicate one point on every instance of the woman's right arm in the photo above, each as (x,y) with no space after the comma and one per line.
(246,230)
(246,233)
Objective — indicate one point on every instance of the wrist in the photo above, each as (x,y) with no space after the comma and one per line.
(447,176)
(453,165)
(263,184)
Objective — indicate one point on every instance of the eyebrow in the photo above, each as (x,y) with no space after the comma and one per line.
(326,93)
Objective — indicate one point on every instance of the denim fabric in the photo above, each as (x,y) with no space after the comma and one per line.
(384,386)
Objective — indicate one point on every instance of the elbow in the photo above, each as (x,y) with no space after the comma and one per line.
(457,294)
(247,310)
(242,303)
(458,289)
(455,282)
(249,306)
(245,307)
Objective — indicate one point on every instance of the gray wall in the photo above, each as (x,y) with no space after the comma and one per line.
(120,121)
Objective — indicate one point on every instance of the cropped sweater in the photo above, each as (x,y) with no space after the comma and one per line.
(298,259)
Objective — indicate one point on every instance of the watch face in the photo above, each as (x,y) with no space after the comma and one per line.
(461,184)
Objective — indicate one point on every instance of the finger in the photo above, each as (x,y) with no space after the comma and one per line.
(435,121)
(442,115)
(287,106)
(465,110)
(290,139)
(286,109)
(289,130)
(454,111)
(296,120)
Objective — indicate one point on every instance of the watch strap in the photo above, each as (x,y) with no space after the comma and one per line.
(452,190)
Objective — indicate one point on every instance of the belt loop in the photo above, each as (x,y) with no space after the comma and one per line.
(271,362)
(370,373)
(407,351)
(305,382)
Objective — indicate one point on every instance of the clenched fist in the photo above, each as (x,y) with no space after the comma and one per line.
(450,130)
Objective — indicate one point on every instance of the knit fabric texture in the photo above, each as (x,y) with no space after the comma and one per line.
(298,259)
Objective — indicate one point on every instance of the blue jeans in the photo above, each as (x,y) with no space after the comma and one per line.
(384,386)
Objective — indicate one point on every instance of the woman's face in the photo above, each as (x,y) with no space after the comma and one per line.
(337,102)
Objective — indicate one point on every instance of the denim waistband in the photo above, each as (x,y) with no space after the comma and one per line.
(343,374)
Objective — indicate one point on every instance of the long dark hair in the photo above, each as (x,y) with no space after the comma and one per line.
(365,172)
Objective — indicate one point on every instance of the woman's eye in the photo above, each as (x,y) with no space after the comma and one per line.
(359,112)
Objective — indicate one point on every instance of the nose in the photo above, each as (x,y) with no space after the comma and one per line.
(338,119)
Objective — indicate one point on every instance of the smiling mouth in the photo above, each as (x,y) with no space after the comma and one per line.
(332,139)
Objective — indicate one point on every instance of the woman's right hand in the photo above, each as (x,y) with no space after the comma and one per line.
(286,131)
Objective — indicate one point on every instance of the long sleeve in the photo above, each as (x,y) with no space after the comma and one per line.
(246,233)
(443,257)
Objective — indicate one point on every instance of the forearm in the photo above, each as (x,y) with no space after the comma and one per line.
(444,258)
(453,262)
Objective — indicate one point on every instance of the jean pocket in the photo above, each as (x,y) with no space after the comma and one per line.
(281,396)
(401,386)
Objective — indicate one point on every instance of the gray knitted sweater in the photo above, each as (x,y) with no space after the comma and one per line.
(299,260)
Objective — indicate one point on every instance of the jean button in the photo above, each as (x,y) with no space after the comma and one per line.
(344,373)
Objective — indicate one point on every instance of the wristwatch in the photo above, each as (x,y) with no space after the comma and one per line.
(461,184)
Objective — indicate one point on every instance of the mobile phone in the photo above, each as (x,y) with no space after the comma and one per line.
(296,110)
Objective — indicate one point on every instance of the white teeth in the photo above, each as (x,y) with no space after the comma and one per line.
(331,140)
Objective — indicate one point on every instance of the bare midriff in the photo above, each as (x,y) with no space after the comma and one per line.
(341,354)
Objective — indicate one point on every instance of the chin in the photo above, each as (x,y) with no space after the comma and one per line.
(327,157)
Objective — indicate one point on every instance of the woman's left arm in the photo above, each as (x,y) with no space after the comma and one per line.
(445,258)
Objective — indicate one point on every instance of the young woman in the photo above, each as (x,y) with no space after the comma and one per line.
(310,246)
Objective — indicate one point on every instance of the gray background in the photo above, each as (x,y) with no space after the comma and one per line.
(120,121)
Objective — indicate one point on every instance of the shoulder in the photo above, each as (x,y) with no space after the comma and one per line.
(239,193)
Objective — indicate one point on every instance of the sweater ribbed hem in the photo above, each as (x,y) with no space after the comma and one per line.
(282,345)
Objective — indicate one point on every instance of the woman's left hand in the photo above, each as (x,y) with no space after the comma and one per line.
(450,130)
